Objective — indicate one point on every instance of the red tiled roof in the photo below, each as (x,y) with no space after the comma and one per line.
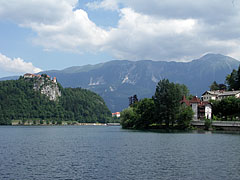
(195,99)
(184,100)
(115,113)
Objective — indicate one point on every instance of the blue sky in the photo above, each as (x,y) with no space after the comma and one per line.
(56,34)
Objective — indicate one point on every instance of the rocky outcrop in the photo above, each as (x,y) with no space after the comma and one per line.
(52,91)
(47,87)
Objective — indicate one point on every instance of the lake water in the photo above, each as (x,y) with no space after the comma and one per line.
(100,152)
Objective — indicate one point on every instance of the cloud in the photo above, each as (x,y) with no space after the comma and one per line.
(141,36)
(17,65)
(144,37)
(77,33)
(106,4)
(25,12)
(156,30)
(57,24)
(211,11)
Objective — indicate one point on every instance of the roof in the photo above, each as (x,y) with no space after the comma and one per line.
(195,99)
(184,100)
(229,93)
(221,93)
(115,113)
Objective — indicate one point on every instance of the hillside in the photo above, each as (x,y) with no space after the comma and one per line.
(30,99)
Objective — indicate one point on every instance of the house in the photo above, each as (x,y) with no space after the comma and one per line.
(116,114)
(201,109)
(219,95)
(28,75)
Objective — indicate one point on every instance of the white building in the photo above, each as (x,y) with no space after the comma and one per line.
(116,114)
(200,109)
(219,95)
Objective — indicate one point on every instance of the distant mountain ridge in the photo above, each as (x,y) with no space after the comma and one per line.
(116,80)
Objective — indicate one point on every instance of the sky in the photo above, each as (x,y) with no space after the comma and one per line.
(38,35)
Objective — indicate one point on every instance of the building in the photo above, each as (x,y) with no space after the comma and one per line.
(28,75)
(55,80)
(116,114)
(219,95)
(201,109)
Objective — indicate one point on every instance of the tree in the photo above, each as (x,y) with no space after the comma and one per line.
(184,117)
(144,113)
(167,102)
(214,86)
(228,108)
(127,118)
(233,80)
(130,99)
(135,99)
(222,87)
(183,90)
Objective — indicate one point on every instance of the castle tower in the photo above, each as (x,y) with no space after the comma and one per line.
(55,80)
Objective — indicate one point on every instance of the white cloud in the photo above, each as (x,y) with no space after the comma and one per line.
(106,4)
(76,33)
(25,12)
(17,65)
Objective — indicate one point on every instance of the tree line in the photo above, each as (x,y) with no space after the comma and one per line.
(18,101)
(163,110)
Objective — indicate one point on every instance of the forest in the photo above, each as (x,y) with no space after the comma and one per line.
(18,101)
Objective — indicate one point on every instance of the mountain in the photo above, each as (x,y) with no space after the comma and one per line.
(9,78)
(38,98)
(116,80)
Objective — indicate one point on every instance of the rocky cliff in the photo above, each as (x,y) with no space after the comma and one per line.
(46,86)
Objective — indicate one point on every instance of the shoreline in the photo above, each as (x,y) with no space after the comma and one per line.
(65,124)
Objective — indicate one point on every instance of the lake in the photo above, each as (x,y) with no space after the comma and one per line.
(102,152)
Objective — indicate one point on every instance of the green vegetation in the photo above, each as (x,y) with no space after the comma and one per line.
(18,101)
(215,86)
(228,109)
(162,111)
(233,79)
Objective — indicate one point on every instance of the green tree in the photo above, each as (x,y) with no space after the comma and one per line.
(214,86)
(144,113)
(127,118)
(227,109)
(184,117)
(233,80)
(167,102)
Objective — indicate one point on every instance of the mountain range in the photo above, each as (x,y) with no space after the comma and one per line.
(117,80)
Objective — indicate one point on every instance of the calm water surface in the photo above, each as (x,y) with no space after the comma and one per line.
(92,152)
